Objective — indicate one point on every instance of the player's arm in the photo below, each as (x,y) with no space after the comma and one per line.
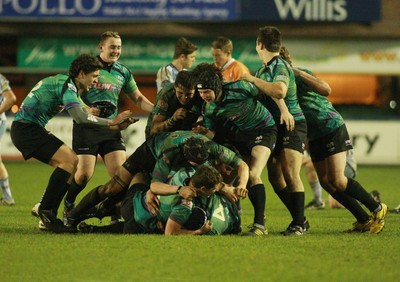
(9,100)
(243,174)
(275,89)
(120,122)
(140,100)
(318,85)
(286,117)
(162,123)
(161,188)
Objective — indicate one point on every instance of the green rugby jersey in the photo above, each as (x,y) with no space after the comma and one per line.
(48,97)
(167,103)
(112,81)
(237,110)
(322,118)
(279,70)
(221,212)
(171,156)
(172,206)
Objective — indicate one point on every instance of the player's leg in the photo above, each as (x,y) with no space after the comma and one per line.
(113,160)
(312,178)
(65,162)
(291,166)
(257,195)
(82,176)
(6,199)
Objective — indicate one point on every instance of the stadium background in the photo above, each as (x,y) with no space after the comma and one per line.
(354,45)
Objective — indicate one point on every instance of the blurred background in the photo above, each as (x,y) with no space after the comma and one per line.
(352,44)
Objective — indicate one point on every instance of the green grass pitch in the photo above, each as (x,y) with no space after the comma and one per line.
(326,253)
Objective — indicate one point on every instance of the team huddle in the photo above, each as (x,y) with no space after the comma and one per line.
(209,135)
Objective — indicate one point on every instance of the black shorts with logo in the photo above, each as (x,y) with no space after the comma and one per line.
(294,139)
(34,141)
(245,141)
(94,140)
(331,144)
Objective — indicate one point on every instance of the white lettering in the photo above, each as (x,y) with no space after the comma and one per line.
(49,7)
(313,10)
(24,10)
(38,54)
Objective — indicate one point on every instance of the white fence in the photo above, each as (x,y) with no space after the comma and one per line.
(375,142)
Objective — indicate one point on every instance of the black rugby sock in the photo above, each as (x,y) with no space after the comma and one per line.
(297,199)
(55,189)
(284,195)
(73,191)
(258,198)
(352,205)
(355,190)
(89,200)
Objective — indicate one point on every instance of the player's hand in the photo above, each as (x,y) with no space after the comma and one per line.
(152,202)
(121,117)
(179,114)
(187,192)
(288,119)
(241,192)
(229,192)
(199,129)
(123,125)
(207,227)
(94,111)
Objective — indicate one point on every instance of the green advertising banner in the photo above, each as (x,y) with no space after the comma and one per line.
(142,55)
(147,55)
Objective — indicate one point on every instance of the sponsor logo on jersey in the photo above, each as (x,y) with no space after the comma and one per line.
(72,87)
(92,118)
(103,86)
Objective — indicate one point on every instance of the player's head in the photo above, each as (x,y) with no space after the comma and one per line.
(186,52)
(110,46)
(221,50)
(85,72)
(185,86)
(225,169)
(284,53)
(270,38)
(184,47)
(206,180)
(84,63)
(209,77)
(195,150)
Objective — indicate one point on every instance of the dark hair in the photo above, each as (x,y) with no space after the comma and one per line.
(185,79)
(105,35)
(206,176)
(284,53)
(85,63)
(223,43)
(270,37)
(208,77)
(184,46)
(195,150)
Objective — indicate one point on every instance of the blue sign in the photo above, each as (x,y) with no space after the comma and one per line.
(334,11)
(120,9)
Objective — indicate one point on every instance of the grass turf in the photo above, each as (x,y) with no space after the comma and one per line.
(326,253)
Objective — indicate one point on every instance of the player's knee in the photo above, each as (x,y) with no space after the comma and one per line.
(113,187)
(70,162)
(82,179)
